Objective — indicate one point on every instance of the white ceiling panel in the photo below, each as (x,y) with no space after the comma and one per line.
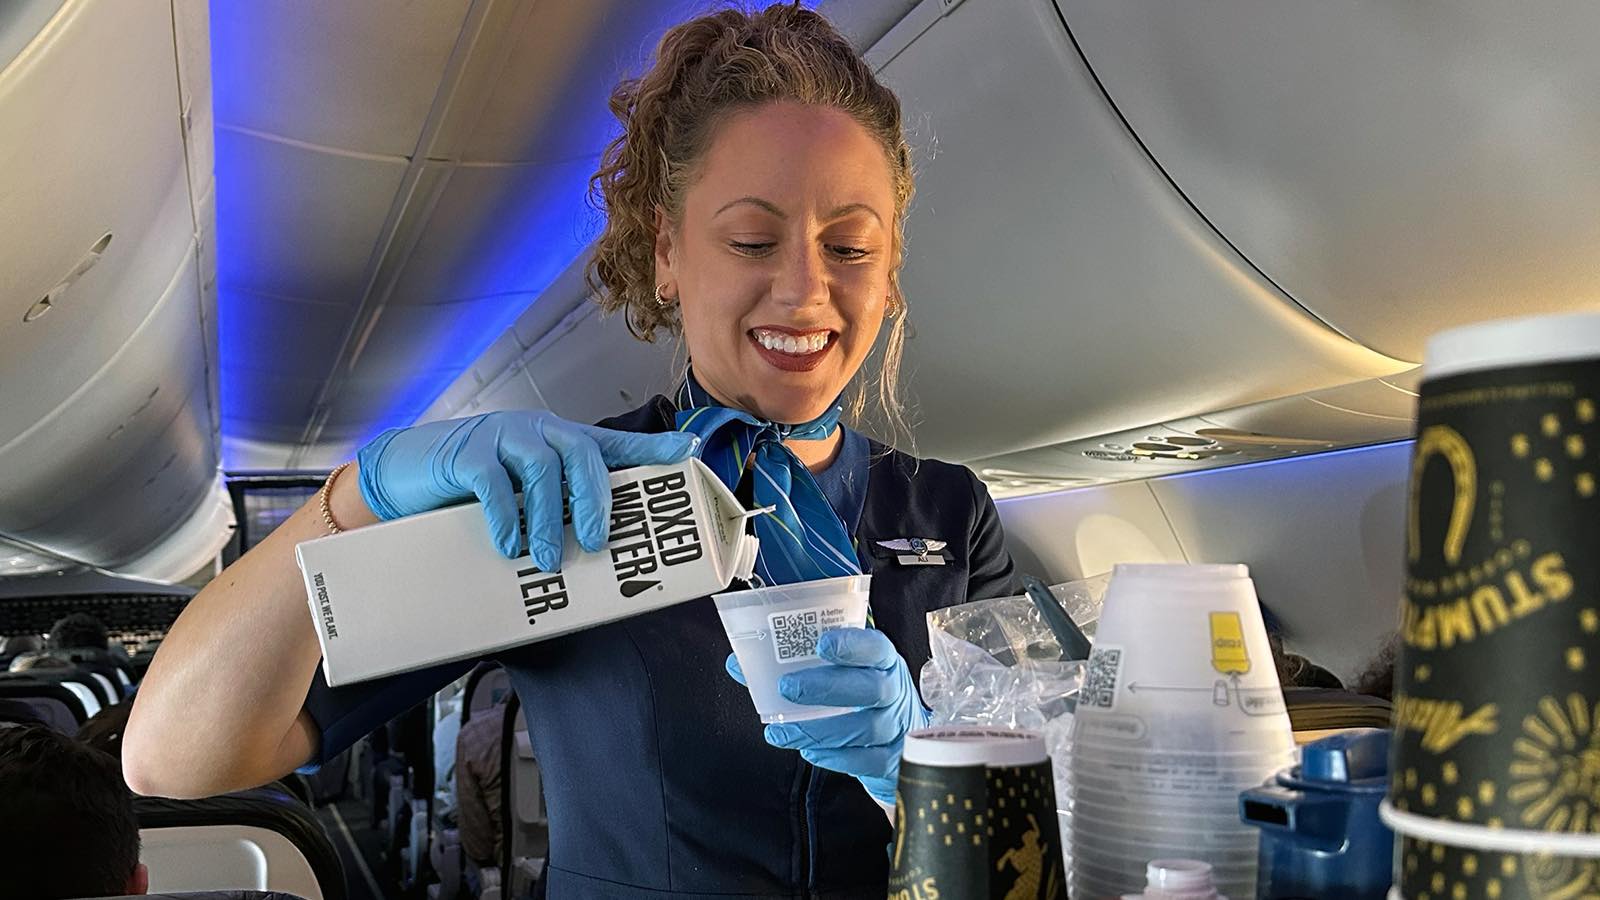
(354,75)
(1046,251)
(500,230)
(365,406)
(546,78)
(426,337)
(312,233)
(512,391)
(246,455)
(503,352)
(274,415)
(590,367)
(263,326)
(1396,167)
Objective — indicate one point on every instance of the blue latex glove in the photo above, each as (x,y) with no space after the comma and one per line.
(865,672)
(405,471)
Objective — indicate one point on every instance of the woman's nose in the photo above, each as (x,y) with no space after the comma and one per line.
(802,278)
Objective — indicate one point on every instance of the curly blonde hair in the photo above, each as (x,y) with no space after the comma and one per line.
(705,69)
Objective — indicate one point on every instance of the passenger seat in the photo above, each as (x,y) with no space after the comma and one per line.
(210,895)
(524,825)
(256,840)
(78,698)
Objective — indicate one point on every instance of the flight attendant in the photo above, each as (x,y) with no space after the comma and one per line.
(755,199)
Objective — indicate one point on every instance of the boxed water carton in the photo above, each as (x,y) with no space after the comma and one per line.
(432,588)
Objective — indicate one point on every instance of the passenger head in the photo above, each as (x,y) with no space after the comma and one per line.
(1377,677)
(760,181)
(39,661)
(21,643)
(67,827)
(78,631)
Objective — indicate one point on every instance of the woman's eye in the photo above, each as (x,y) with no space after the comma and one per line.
(845,252)
(750,249)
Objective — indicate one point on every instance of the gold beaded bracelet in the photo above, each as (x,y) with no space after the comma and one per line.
(322,498)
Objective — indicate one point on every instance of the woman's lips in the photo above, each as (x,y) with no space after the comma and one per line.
(788,350)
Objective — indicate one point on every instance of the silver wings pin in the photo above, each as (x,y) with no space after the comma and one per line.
(926,550)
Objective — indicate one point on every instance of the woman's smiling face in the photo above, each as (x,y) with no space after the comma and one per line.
(781,259)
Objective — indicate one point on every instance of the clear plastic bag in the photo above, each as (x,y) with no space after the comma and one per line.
(996,662)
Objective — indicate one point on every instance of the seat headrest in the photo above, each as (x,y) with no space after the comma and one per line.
(212,895)
(25,688)
(271,807)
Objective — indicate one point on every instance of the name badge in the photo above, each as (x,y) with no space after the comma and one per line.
(916,551)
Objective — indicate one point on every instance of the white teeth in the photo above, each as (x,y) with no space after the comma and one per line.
(788,343)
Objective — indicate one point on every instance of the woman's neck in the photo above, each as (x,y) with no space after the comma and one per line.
(818,455)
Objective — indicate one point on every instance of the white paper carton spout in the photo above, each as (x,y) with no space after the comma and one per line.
(432,588)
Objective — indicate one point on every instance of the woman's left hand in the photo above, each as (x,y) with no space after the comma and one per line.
(865,672)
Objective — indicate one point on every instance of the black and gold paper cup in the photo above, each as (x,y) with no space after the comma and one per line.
(975,818)
(1437,871)
(1497,685)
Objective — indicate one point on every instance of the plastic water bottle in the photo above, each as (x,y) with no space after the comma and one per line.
(1177,879)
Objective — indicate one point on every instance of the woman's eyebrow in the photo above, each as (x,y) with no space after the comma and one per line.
(769,206)
(849,208)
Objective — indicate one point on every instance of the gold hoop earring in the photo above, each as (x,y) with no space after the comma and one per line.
(661,301)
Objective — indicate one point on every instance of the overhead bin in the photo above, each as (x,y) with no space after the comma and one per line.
(108,441)
(1396,168)
(20,22)
(127,459)
(1060,286)
(1375,411)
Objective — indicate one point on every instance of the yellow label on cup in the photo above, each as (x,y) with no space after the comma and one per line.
(1228,653)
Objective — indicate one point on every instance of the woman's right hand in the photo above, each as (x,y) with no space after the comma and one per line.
(405,471)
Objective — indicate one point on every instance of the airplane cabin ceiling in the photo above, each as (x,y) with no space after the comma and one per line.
(1394,167)
(396,184)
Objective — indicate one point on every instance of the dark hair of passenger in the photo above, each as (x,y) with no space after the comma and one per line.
(1377,679)
(78,631)
(67,827)
(104,729)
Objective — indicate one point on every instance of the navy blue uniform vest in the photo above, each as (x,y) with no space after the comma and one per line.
(657,781)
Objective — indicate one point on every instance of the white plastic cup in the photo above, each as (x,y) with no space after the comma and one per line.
(1244,749)
(1168,783)
(1166,828)
(1181,662)
(1242,852)
(774,631)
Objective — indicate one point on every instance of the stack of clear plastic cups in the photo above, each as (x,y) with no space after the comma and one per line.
(1180,712)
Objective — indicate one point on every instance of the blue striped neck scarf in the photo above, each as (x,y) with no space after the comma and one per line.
(802,539)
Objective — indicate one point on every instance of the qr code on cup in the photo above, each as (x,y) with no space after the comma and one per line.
(795,635)
(1100,681)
